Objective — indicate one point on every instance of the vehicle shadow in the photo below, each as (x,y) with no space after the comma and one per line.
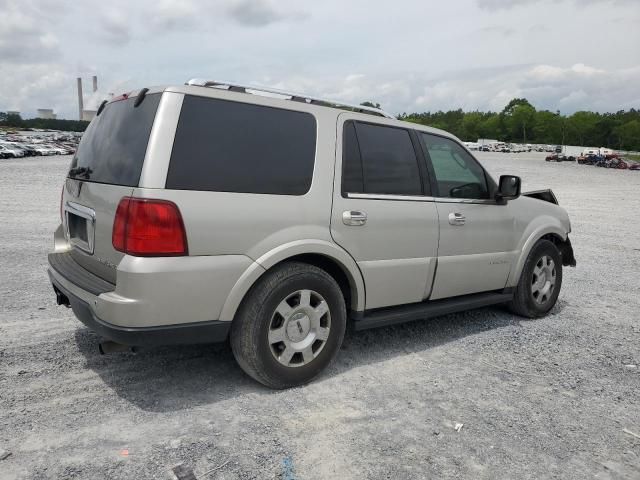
(174,378)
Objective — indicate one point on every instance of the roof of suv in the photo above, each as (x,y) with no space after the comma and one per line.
(268,95)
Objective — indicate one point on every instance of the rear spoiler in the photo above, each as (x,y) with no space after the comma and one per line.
(544,195)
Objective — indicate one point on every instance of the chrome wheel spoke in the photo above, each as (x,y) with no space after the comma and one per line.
(307,354)
(284,309)
(277,335)
(286,356)
(321,309)
(305,298)
(322,333)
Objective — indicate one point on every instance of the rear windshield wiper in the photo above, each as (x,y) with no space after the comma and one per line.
(83,172)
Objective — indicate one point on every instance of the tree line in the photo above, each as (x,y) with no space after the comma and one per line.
(13,120)
(520,122)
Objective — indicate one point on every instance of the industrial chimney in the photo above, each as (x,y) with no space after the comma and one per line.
(80,102)
(95,83)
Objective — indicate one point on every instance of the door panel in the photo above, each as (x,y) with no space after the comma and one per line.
(395,249)
(477,255)
(379,214)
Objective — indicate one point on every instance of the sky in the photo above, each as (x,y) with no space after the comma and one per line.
(408,55)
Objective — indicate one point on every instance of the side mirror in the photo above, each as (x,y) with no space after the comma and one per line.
(508,188)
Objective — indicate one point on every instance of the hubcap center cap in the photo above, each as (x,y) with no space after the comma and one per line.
(298,327)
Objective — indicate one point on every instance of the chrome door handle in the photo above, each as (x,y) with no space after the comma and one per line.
(456,219)
(354,218)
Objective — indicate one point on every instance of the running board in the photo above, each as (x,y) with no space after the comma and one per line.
(421,311)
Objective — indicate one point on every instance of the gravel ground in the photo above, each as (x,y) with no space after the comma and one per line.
(549,398)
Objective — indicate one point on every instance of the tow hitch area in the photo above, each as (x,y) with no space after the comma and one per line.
(113,347)
(61,298)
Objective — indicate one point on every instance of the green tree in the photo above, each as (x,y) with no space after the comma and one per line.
(548,127)
(629,135)
(521,118)
(582,127)
(516,102)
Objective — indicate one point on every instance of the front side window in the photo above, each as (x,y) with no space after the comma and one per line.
(457,173)
(379,160)
(226,146)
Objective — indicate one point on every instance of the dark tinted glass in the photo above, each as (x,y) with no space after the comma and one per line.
(113,147)
(352,180)
(457,173)
(389,161)
(236,147)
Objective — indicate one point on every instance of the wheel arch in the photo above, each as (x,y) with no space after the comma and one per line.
(551,229)
(322,254)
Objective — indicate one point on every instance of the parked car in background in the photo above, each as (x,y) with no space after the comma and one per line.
(57,150)
(12,151)
(40,149)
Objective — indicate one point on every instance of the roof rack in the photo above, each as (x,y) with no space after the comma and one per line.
(296,97)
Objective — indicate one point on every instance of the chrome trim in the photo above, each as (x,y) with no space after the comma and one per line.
(382,196)
(487,201)
(354,218)
(418,198)
(299,97)
(90,216)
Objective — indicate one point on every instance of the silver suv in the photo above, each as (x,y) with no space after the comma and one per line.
(214,211)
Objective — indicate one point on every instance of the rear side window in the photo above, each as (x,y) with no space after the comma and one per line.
(113,147)
(379,160)
(229,146)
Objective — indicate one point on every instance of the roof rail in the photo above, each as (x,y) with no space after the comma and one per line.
(296,97)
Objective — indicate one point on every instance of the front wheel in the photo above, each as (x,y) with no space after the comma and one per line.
(540,281)
(290,326)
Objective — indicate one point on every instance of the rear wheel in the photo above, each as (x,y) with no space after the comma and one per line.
(290,326)
(540,281)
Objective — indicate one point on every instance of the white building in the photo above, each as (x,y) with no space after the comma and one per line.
(46,113)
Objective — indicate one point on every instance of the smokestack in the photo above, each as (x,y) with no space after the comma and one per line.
(80,102)
(95,83)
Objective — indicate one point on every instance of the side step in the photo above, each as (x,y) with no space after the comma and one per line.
(421,311)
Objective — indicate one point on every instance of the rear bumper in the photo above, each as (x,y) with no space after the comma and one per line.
(186,333)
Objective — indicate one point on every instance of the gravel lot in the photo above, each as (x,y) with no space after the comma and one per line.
(549,398)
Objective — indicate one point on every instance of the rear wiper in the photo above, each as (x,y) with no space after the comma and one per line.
(80,172)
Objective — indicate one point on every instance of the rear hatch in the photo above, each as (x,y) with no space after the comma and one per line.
(105,168)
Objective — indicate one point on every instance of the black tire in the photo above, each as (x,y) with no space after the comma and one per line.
(524,302)
(250,328)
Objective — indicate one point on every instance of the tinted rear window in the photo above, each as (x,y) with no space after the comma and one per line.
(237,147)
(113,147)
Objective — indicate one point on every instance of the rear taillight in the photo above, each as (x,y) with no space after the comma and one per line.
(149,228)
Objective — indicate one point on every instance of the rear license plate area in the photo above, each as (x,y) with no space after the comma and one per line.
(77,228)
(80,222)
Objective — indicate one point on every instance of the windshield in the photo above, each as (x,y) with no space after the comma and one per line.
(113,147)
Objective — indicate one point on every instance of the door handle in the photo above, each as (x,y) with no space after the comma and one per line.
(456,219)
(354,218)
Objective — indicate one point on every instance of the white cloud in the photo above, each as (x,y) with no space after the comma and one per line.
(471,54)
